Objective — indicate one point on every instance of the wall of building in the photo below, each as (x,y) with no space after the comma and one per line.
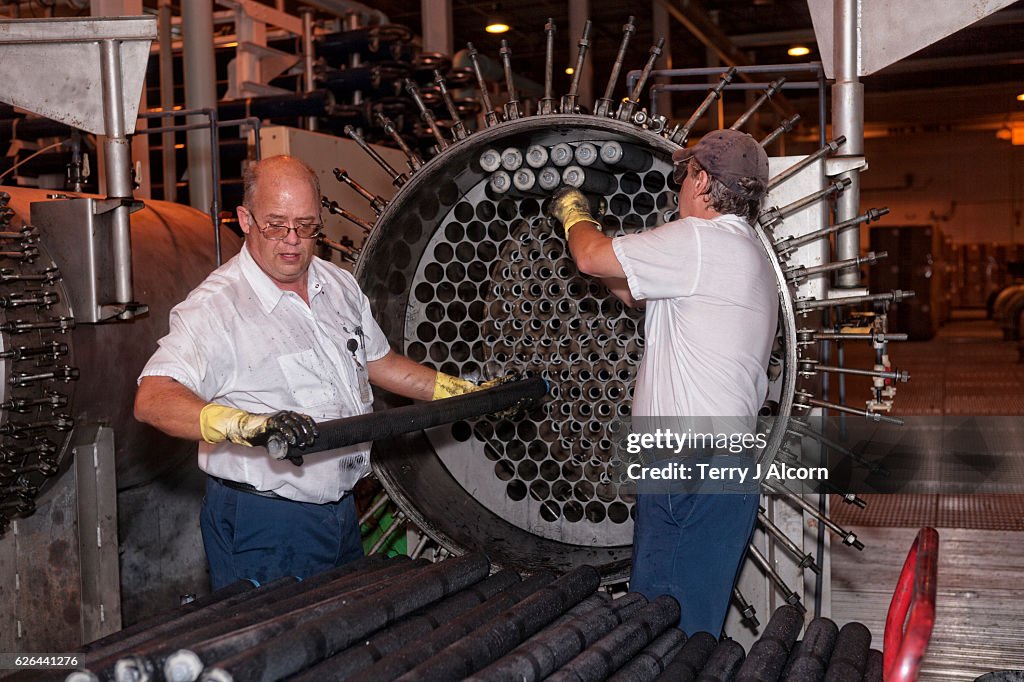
(968,184)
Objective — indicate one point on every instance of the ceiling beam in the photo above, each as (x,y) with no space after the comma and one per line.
(697,21)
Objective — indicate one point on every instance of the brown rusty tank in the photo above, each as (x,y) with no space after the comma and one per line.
(59,375)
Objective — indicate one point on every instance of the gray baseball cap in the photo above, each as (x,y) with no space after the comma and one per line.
(728,156)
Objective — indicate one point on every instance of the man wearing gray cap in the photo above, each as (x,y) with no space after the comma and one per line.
(711,314)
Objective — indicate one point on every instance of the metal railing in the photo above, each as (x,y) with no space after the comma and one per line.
(213,124)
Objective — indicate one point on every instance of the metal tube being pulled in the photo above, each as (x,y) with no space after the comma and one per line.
(363,428)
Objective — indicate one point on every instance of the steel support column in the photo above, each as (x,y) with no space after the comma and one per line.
(200,93)
(117,162)
(139,143)
(437,25)
(308,82)
(662,27)
(170,166)
(848,120)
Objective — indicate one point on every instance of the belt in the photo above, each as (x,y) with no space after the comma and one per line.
(246,488)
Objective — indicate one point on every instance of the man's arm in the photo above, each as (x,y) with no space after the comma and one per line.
(169,406)
(172,408)
(398,374)
(594,256)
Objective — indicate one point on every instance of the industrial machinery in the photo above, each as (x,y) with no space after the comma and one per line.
(464,272)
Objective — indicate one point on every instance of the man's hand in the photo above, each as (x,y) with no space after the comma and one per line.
(569,206)
(447,386)
(219,423)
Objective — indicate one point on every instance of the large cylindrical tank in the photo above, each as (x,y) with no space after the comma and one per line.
(465,272)
(172,251)
(92,372)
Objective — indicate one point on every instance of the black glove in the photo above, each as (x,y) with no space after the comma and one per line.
(296,429)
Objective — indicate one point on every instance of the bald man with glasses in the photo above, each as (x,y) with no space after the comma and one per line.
(274,341)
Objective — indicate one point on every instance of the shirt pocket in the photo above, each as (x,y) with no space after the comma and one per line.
(308,379)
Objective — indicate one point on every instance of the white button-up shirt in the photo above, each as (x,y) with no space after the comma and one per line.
(239,340)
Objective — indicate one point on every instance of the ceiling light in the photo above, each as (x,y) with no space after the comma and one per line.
(1020,97)
(798,51)
(569,70)
(496,21)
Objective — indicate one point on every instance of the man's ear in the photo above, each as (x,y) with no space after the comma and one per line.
(243,219)
(702,182)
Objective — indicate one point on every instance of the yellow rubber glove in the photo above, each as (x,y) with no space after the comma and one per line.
(570,207)
(447,386)
(218,423)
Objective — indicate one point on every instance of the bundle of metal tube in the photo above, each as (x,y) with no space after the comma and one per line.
(593,167)
(387,619)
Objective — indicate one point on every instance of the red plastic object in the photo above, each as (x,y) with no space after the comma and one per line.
(911,616)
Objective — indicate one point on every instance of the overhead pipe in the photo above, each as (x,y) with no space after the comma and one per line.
(166,61)
(341,8)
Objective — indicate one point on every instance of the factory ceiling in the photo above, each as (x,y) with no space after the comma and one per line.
(918,90)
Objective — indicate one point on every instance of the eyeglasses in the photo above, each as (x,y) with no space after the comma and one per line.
(279,231)
(680,171)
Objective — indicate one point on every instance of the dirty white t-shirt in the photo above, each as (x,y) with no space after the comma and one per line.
(712,309)
(239,340)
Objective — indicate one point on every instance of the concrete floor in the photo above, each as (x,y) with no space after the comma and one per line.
(979,627)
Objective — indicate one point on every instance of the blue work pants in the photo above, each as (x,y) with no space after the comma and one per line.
(249,537)
(690,546)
